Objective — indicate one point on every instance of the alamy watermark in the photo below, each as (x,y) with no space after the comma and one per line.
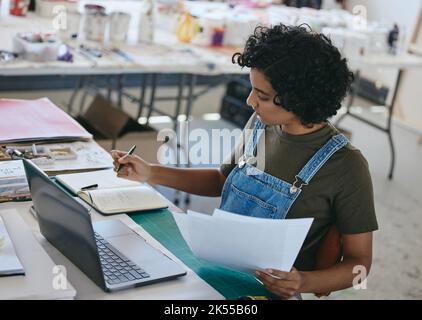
(360,281)
(60,19)
(59,281)
(200,147)
(360,19)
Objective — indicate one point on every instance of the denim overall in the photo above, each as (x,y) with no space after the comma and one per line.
(252,192)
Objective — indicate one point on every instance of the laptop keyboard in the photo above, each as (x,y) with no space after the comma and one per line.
(116,267)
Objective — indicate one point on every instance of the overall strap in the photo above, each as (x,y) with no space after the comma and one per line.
(254,138)
(320,158)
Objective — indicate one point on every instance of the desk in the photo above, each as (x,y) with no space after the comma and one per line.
(166,56)
(401,63)
(189,287)
(40,280)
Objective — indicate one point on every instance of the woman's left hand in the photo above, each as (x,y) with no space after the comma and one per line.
(282,284)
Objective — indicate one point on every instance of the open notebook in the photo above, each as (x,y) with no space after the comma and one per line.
(113,195)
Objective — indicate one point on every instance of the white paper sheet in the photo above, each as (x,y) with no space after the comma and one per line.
(182,223)
(9,262)
(244,243)
(105,179)
(13,183)
(89,156)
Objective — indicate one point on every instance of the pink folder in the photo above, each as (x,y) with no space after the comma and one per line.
(37,120)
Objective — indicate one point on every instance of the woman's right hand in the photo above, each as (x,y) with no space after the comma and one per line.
(132,167)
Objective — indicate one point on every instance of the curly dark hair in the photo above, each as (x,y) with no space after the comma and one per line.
(306,70)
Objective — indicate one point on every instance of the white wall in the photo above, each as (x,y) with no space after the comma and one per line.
(405,13)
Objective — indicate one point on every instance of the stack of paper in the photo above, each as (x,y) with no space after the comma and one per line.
(243,243)
(69,157)
(13,183)
(9,262)
(37,120)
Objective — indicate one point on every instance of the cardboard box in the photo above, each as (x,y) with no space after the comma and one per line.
(110,125)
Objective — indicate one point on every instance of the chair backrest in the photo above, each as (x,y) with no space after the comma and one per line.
(330,252)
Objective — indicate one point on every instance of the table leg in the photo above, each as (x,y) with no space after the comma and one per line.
(189,105)
(387,130)
(389,125)
(152,96)
(190,97)
(142,96)
(109,84)
(120,91)
(177,127)
(179,100)
(79,85)
(83,99)
(352,96)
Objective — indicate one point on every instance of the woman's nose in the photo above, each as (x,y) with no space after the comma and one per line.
(250,101)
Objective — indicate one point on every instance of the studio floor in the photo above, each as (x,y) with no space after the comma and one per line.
(397,262)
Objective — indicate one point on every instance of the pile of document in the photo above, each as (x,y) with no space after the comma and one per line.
(243,243)
(13,183)
(9,261)
(37,120)
(42,132)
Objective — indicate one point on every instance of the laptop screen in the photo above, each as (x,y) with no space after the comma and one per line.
(64,222)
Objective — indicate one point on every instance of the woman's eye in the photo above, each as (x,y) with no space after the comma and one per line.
(262,98)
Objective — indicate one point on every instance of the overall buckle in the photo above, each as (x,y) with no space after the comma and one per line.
(243,160)
(295,188)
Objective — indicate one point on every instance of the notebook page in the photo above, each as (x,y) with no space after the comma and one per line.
(126,199)
(106,179)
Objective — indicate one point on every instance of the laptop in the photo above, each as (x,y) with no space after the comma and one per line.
(110,253)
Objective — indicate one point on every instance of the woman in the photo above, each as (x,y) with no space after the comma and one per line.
(299,80)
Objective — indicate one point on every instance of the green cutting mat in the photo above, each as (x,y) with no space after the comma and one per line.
(231,284)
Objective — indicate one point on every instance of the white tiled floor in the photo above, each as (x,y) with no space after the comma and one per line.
(397,261)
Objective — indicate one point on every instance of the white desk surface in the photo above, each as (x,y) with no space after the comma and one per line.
(40,274)
(415,49)
(165,56)
(189,287)
(401,61)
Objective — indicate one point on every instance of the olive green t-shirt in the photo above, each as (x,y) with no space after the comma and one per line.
(341,192)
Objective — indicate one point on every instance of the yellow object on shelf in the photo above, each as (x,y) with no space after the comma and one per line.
(186,28)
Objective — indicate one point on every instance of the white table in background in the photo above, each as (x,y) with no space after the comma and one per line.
(401,63)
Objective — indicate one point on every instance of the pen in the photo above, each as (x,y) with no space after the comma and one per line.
(87,56)
(130,152)
(91,51)
(94,186)
(122,54)
(17,153)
